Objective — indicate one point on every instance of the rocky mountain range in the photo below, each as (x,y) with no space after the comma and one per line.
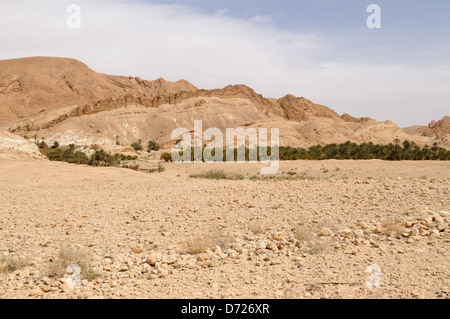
(61,99)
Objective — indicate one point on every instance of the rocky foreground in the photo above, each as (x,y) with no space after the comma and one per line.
(165,235)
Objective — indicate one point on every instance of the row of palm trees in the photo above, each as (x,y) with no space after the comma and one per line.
(396,151)
(391,152)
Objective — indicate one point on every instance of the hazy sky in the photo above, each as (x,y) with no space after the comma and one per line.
(319,49)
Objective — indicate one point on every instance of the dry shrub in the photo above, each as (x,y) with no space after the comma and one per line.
(312,245)
(393,226)
(307,233)
(200,243)
(68,256)
(304,233)
(10,263)
(197,244)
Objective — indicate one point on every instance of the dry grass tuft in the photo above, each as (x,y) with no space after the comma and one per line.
(304,233)
(200,243)
(10,263)
(393,227)
(68,256)
(197,244)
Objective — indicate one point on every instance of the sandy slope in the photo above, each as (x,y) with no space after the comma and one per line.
(129,220)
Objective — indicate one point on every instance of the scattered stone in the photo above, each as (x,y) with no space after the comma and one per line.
(261,245)
(151,260)
(325,232)
(36,293)
(137,250)
(46,288)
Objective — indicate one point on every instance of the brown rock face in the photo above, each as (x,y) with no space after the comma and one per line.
(348,118)
(300,109)
(29,86)
(440,128)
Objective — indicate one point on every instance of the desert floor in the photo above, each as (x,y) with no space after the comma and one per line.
(312,233)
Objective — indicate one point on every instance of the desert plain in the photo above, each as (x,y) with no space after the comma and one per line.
(318,229)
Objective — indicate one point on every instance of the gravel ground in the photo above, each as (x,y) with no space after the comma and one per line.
(328,229)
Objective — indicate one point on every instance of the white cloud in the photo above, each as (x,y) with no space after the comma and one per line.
(261,19)
(214,50)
